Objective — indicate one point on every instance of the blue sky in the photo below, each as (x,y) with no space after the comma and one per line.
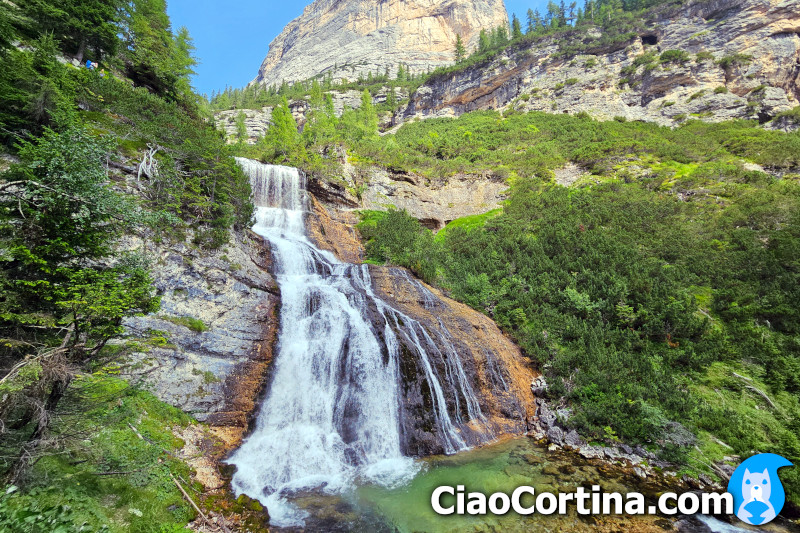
(232,37)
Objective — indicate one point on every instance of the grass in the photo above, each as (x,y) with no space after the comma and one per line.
(468,223)
(194,324)
(104,477)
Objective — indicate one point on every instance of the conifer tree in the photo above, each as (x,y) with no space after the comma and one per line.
(531,22)
(484,42)
(283,132)
(368,113)
(516,27)
(461,51)
(78,24)
(391,99)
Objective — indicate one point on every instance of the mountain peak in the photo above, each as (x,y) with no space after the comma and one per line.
(347,38)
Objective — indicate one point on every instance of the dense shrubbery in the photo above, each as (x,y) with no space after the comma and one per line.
(634,302)
(532,144)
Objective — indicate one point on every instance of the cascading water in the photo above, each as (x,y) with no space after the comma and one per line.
(332,411)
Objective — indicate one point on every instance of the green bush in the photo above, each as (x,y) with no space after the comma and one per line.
(674,56)
(734,60)
(194,324)
(703,56)
(695,96)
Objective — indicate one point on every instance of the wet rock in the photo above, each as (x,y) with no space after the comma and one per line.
(456,340)
(532,459)
(493,367)
(566,469)
(691,525)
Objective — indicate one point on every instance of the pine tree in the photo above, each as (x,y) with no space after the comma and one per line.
(241,127)
(317,99)
(484,42)
(7,33)
(516,27)
(461,51)
(78,24)
(391,99)
(283,132)
(531,22)
(499,37)
(369,114)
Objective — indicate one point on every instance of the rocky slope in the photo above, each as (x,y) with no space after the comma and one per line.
(606,82)
(347,38)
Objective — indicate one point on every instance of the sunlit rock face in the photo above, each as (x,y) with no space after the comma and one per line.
(348,38)
(607,82)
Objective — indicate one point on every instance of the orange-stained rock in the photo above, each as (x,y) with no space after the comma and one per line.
(498,374)
(334,231)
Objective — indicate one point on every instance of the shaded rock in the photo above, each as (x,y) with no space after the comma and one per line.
(556,435)
(539,386)
(434,202)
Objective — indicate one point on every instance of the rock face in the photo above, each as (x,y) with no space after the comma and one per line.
(350,37)
(605,83)
(215,375)
(434,202)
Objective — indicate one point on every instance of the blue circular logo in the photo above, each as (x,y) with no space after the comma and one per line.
(758,494)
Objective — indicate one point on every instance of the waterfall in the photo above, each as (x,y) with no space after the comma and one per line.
(331,415)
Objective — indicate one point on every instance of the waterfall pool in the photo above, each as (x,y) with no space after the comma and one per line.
(498,467)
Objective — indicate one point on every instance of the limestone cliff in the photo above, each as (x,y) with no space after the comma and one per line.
(349,37)
(742,60)
(209,347)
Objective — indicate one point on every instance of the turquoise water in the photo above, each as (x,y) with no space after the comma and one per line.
(496,468)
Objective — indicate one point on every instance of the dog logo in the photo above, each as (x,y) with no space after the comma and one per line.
(757,491)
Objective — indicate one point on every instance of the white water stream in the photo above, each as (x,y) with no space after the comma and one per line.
(332,413)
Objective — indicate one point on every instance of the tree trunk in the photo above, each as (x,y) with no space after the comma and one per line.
(81,50)
(29,449)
